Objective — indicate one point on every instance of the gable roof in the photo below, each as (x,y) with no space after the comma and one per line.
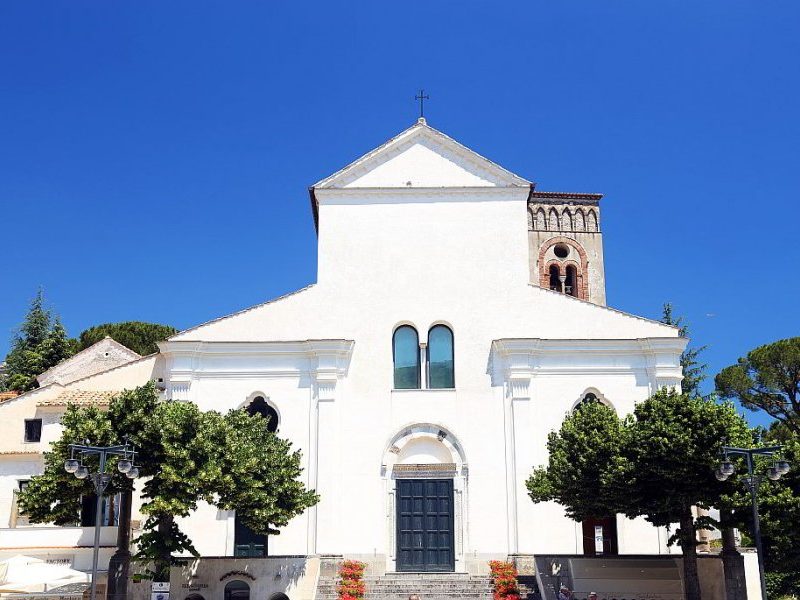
(481,171)
(70,369)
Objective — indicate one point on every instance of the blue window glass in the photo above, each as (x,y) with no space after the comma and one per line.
(441,371)
(405,350)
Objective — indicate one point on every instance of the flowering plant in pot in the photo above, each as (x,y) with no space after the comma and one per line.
(504,579)
(351,586)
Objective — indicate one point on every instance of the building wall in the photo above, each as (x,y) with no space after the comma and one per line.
(420,258)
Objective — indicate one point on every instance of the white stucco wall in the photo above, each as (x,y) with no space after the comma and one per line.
(421,256)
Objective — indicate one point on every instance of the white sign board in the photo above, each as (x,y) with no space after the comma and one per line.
(159,596)
(598,539)
(160,586)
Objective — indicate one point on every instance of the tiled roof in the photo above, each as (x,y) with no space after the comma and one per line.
(80,397)
(8,396)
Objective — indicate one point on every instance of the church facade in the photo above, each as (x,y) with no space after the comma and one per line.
(458,315)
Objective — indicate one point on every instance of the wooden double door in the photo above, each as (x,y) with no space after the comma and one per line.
(425,525)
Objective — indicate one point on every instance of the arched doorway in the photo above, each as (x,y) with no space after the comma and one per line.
(237,590)
(279,596)
(425,472)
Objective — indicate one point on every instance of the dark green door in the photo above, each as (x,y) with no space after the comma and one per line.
(425,520)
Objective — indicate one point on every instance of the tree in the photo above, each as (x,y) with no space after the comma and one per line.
(185,456)
(40,343)
(779,509)
(767,379)
(580,468)
(693,370)
(672,449)
(657,464)
(139,336)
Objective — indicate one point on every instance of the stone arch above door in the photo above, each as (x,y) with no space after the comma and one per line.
(430,443)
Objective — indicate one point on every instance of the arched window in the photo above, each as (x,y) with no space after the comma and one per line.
(571,283)
(279,596)
(590,398)
(541,221)
(405,352)
(566,221)
(259,406)
(441,371)
(555,279)
(237,590)
(530,219)
(580,221)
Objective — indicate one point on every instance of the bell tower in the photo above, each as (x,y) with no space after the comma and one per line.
(566,244)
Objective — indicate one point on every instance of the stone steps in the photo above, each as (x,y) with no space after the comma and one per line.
(428,586)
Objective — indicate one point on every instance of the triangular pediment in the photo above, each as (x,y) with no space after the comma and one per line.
(422,157)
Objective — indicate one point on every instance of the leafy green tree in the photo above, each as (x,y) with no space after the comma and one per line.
(779,510)
(767,379)
(40,343)
(185,456)
(694,371)
(658,465)
(580,471)
(673,448)
(139,336)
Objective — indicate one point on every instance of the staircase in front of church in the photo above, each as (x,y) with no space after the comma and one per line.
(428,586)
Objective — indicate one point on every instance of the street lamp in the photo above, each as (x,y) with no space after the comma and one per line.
(775,472)
(101,479)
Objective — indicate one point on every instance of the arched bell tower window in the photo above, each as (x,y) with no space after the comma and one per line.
(441,369)
(571,282)
(555,278)
(405,354)
(260,407)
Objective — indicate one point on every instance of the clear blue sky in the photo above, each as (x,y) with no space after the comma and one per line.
(155,156)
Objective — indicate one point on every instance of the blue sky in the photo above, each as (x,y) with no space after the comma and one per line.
(155,156)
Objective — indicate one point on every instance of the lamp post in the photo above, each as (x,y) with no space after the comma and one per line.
(101,479)
(775,472)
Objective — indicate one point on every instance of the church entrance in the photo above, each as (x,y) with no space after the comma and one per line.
(425,525)
(600,537)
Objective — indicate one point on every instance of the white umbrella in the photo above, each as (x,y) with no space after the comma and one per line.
(28,574)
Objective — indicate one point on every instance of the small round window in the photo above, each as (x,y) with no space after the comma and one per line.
(561,250)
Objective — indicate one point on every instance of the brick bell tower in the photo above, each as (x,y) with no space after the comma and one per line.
(566,245)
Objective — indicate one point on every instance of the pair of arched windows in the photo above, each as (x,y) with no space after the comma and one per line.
(409,357)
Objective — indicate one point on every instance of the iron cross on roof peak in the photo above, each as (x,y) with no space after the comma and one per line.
(422,96)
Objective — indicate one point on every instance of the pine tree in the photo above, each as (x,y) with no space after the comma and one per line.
(40,343)
(694,371)
(56,346)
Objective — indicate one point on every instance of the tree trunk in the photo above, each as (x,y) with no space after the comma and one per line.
(733,564)
(119,565)
(164,560)
(691,580)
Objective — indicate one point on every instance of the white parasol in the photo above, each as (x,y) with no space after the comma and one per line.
(22,574)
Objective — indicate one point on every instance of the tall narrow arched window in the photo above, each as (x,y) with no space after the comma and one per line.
(555,279)
(571,283)
(441,368)
(405,352)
